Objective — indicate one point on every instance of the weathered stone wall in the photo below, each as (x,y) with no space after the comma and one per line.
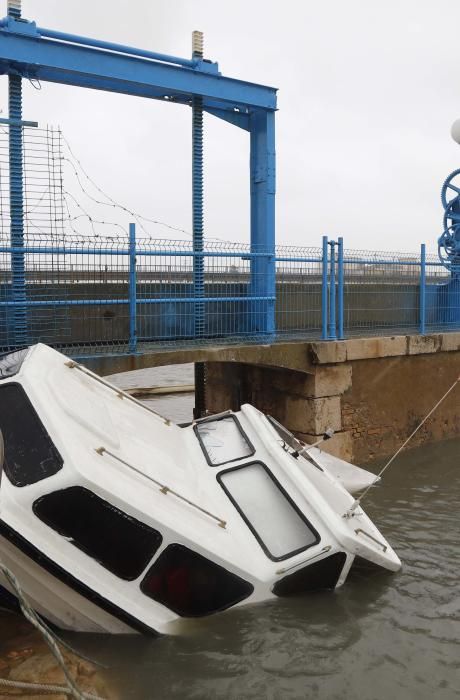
(390,397)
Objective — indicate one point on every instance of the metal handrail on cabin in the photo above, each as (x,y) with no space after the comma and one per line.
(163,487)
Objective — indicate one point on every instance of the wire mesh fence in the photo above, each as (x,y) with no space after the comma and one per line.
(65,283)
(108,294)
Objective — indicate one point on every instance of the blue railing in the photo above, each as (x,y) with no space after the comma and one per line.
(92,295)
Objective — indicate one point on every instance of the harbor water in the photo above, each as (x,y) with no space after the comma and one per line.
(381,636)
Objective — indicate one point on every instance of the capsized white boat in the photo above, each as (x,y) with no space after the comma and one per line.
(114,519)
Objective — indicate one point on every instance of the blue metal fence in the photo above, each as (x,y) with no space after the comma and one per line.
(99,294)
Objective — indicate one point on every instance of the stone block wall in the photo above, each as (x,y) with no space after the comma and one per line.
(373,392)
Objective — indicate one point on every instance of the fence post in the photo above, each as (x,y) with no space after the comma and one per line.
(340,280)
(422,289)
(332,294)
(324,290)
(132,290)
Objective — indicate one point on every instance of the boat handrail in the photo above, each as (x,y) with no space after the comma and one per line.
(164,489)
(325,549)
(120,393)
(363,532)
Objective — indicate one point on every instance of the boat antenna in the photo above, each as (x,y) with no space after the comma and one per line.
(359,500)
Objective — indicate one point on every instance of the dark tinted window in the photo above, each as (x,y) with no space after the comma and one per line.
(191,585)
(29,453)
(120,543)
(317,576)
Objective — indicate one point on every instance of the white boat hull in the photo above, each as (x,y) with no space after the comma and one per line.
(115,520)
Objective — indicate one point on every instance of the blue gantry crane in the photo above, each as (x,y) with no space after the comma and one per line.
(28,51)
(36,53)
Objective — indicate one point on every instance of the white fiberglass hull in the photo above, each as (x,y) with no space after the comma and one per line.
(115,520)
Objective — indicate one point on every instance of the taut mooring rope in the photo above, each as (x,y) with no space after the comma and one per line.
(400,449)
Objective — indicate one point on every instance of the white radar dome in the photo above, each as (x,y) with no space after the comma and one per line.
(455,131)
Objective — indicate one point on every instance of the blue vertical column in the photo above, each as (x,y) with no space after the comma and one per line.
(324,297)
(340,288)
(132,289)
(18,319)
(423,289)
(263,188)
(198,198)
(199,409)
(332,296)
(198,216)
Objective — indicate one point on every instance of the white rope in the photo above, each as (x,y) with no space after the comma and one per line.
(392,459)
(32,617)
(40,688)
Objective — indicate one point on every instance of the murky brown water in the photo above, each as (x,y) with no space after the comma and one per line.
(387,637)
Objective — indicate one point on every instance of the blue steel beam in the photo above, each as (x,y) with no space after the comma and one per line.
(263,189)
(46,55)
(25,52)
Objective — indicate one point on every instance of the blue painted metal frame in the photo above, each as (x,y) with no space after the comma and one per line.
(423,289)
(15,147)
(324,288)
(48,55)
(332,295)
(340,288)
(30,51)
(132,290)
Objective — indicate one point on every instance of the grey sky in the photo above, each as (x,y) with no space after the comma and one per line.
(367,93)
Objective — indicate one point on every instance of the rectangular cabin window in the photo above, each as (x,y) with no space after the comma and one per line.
(223,440)
(275,520)
(191,585)
(117,541)
(30,454)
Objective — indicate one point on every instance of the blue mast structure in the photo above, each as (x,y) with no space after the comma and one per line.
(198,230)
(46,55)
(18,281)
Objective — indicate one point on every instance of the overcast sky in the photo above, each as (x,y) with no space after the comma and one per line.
(367,94)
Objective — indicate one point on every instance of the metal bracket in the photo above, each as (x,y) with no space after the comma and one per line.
(17,122)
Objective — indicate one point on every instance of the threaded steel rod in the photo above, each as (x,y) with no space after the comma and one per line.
(198,229)
(18,282)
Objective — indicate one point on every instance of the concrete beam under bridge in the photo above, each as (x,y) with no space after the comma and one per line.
(372,391)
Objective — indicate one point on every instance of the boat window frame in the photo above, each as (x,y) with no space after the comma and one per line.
(116,512)
(290,500)
(59,460)
(168,551)
(244,435)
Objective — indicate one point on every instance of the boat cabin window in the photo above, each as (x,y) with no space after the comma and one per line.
(279,526)
(11,363)
(30,455)
(118,542)
(223,440)
(191,585)
(317,576)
